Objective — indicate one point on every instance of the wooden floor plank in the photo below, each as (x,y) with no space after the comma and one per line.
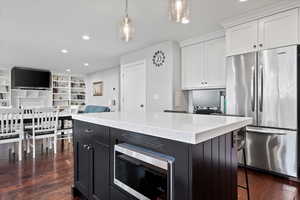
(50,178)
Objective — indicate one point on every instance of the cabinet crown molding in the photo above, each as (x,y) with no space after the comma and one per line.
(260,13)
(202,38)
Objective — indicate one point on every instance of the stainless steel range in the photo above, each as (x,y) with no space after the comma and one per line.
(263,85)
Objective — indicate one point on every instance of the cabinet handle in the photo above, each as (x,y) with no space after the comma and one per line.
(205,82)
(88,130)
(261,45)
(87,147)
(254,46)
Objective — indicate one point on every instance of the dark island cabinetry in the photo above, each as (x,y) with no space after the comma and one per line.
(106,169)
(91,160)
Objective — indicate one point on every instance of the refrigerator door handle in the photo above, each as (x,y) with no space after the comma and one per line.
(261,88)
(253,89)
(269,131)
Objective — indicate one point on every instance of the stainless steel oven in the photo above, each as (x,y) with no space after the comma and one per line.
(145,174)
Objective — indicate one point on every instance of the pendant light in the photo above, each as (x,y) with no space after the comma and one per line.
(126,29)
(179,11)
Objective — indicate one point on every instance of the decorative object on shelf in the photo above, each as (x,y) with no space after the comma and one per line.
(126,29)
(98,88)
(179,11)
(159,58)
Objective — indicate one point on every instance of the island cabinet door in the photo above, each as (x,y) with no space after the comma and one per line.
(100,172)
(82,160)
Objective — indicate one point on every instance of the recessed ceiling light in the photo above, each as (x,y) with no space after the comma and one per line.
(243,0)
(86,64)
(64,51)
(68,70)
(86,37)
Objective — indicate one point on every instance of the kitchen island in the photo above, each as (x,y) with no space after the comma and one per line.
(156,156)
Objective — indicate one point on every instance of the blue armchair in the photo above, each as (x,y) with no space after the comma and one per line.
(96,109)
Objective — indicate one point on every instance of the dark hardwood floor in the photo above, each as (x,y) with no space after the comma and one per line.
(50,178)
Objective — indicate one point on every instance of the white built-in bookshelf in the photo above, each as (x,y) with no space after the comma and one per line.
(68,90)
(61,92)
(77,91)
(5,88)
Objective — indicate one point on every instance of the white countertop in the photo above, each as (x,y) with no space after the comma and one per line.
(188,128)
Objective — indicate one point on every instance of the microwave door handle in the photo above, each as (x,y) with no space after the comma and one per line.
(261,88)
(253,89)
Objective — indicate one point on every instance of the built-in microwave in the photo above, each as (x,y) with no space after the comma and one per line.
(145,174)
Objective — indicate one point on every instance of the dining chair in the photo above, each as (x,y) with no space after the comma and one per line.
(11,128)
(44,126)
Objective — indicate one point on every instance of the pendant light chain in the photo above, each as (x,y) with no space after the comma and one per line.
(126,7)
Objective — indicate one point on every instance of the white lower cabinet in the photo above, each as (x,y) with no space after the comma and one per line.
(203,65)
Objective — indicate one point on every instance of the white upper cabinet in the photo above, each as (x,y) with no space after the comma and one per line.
(242,38)
(192,65)
(214,63)
(203,65)
(279,30)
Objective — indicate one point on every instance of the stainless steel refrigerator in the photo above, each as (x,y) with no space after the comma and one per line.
(263,85)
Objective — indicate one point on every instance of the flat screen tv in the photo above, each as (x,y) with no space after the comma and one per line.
(22,78)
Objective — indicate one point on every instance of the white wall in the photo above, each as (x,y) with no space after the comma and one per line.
(162,83)
(111,81)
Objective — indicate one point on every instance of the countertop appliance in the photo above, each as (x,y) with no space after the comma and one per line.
(206,110)
(263,85)
(143,173)
(208,101)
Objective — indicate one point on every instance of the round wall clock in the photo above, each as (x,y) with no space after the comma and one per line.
(158,58)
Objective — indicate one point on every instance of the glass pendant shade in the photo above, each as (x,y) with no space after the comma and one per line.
(126,29)
(179,11)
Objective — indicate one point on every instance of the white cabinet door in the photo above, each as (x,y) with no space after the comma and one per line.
(279,30)
(192,66)
(242,38)
(214,62)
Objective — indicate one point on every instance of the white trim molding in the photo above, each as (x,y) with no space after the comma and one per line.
(202,38)
(260,13)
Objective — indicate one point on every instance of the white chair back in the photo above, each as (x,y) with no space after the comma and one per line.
(45,119)
(11,122)
(74,109)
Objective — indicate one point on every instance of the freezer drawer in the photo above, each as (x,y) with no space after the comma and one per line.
(273,150)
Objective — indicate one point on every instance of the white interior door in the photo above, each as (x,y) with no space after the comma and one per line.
(134,87)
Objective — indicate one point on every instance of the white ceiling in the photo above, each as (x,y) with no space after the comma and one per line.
(32,32)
